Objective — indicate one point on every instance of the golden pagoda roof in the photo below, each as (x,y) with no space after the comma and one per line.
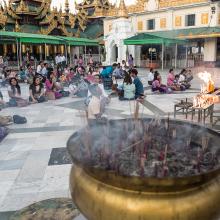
(122,10)
(3,18)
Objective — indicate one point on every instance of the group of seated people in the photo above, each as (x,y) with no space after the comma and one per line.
(178,82)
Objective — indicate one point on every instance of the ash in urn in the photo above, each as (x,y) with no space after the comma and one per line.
(147,148)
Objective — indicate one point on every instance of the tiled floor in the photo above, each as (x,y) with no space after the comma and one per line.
(25,172)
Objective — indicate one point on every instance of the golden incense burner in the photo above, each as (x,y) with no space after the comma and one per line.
(106,195)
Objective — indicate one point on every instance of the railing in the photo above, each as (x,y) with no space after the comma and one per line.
(96,58)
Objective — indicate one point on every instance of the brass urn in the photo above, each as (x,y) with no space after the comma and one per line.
(106,195)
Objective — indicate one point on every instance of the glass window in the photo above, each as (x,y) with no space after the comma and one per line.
(151,24)
(190,20)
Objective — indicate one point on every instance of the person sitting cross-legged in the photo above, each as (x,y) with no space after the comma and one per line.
(128,89)
(52,88)
(157,85)
(139,88)
(14,92)
(36,89)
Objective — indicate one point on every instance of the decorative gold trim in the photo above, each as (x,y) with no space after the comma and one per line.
(174,3)
(140,25)
(178,21)
(204,18)
(22,7)
(163,23)
(191,36)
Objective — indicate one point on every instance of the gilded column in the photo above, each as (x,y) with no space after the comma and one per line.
(31,48)
(14,48)
(5,49)
(40,51)
(55,49)
(62,49)
(47,50)
(23,48)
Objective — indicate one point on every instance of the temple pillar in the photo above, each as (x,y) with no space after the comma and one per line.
(62,49)
(5,49)
(55,49)
(14,51)
(39,49)
(31,48)
(23,48)
(210,52)
(137,55)
(46,50)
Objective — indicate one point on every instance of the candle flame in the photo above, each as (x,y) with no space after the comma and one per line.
(206,77)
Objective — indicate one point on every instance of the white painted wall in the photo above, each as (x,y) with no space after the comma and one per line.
(210,49)
(121,29)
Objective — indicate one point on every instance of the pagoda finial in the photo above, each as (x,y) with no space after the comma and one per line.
(122,10)
(61,9)
(22,7)
(17,27)
(67,6)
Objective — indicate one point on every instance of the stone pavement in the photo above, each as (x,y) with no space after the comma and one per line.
(34,165)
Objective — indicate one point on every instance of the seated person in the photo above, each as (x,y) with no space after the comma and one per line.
(150,76)
(52,88)
(177,84)
(2,103)
(182,79)
(14,92)
(37,94)
(170,81)
(118,72)
(108,70)
(22,75)
(128,87)
(157,85)
(29,74)
(139,88)
(70,75)
(189,76)
(123,65)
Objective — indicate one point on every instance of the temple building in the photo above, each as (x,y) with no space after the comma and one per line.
(38,17)
(161,33)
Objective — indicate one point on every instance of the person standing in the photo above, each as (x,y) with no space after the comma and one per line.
(75,60)
(131,61)
(63,61)
(91,61)
(150,77)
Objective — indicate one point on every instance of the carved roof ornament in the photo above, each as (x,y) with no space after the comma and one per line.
(3,18)
(174,3)
(10,11)
(122,10)
(67,7)
(61,9)
(17,27)
(140,6)
(22,7)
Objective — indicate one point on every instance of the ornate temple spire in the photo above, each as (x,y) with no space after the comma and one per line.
(22,7)
(61,9)
(17,27)
(67,6)
(122,10)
